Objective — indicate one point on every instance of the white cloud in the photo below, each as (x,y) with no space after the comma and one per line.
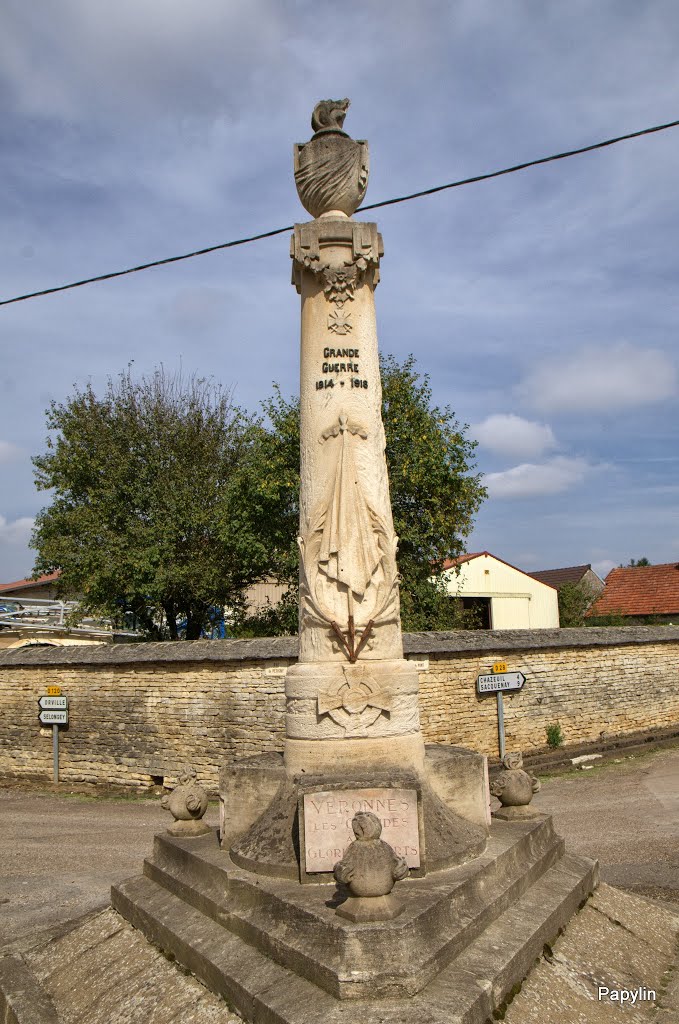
(17,532)
(601,377)
(603,567)
(512,435)
(537,479)
(9,451)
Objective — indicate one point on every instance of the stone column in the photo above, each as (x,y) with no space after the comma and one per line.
(352,701)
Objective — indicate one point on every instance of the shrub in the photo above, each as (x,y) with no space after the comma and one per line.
(554,735)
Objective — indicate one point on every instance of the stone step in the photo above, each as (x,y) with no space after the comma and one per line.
(22,998)
(467,991)
(103,971)
(297,927)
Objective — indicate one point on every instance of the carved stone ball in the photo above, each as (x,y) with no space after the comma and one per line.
(369,867)
(514,787)
(187,801)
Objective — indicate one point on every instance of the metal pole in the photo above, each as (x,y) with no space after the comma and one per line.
(55,751)
(500,723)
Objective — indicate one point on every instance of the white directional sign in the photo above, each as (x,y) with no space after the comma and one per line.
(53,702)
(499,682)
(58,716)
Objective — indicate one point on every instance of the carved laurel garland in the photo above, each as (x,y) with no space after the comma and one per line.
(340,282)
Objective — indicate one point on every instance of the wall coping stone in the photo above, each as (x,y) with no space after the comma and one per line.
(285,647)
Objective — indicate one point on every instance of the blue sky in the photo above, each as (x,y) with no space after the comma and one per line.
(543,305)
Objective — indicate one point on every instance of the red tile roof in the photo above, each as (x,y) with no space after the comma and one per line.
(450,562)
(50,577)
(640,590)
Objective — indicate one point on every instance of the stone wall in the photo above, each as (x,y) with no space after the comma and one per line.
(140,712)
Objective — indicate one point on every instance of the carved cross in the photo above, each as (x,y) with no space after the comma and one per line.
(355,696)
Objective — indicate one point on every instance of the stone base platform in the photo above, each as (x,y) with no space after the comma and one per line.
(101,970)
(277,952)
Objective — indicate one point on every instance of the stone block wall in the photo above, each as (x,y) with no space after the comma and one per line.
(139,713)
(592,693)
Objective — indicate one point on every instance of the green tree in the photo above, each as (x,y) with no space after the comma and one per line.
(434,495)
(151,506)
(574,600)
(637,563)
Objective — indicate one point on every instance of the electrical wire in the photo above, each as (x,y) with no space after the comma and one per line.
(372,206)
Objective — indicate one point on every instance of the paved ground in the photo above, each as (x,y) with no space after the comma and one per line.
(60,853)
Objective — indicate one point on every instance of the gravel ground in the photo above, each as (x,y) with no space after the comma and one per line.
(60,853)
(624,813)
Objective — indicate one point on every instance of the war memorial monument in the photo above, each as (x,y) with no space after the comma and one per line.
(358,876)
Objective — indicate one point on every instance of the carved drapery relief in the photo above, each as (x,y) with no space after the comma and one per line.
(339,277)
(350,550)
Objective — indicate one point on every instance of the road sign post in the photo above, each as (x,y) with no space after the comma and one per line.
(499,683)
(53,710)
(500,724)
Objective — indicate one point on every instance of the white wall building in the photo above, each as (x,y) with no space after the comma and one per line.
(505,597)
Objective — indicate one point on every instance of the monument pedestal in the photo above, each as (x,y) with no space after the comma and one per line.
(278,952)
(472,918)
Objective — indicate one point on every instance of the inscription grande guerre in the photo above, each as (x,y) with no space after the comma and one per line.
(327,823)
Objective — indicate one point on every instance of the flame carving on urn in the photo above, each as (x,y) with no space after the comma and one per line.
(331,170)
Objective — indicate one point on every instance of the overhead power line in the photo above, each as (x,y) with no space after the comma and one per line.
(372,206)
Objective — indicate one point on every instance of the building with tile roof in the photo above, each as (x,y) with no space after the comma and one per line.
(640,592)
(504,597)
(44,587)
(576,574)
(32,613)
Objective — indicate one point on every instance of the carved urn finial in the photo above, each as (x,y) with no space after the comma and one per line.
(331,170)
